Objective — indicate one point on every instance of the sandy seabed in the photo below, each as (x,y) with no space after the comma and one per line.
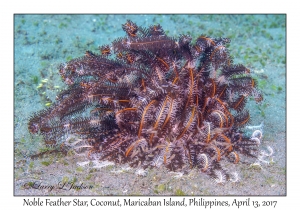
(42,42)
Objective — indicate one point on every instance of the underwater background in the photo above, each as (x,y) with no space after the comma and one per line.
(42,42)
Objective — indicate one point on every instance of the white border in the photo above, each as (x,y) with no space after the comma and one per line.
(153,6)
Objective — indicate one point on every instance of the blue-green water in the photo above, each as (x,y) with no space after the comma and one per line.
(42,42)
